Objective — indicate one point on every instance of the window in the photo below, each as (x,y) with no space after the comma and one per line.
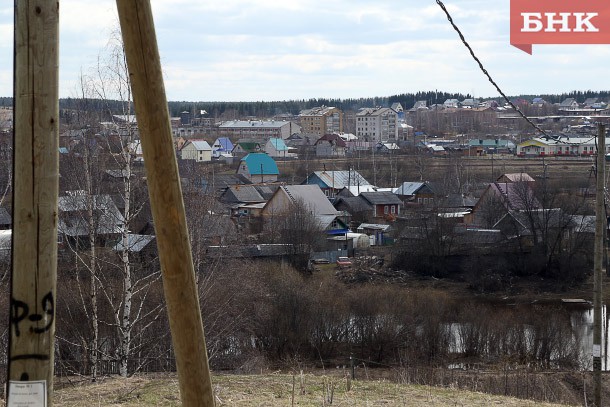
(393,209)
(386,209)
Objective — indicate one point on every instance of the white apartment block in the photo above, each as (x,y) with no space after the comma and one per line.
(259,130)
(377,124)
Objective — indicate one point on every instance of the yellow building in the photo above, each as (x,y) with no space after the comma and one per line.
(321,120)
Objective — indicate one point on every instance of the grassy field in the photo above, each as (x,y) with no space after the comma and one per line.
(277,389)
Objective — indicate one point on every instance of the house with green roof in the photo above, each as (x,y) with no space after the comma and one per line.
(245,147)
(258,167)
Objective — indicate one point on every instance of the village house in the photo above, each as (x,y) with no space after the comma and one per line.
(331,182)
(331,145)
(245,147)
(221,146)
(241,198)
(309,197)
(73,226)
(258,167)
(385,204)
(198,150)
(500,198)
(277,148)
(419,193)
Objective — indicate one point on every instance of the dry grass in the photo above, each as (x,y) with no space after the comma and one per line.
(278,389)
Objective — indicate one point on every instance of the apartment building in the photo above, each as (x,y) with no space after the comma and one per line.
(259,130)
(377,124)
(321,120)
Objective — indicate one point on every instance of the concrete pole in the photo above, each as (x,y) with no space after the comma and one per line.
(167,206)
(35,190)
(600,225)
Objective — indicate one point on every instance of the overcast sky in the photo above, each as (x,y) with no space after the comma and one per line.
(238,50)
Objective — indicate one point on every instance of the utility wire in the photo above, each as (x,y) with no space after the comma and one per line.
(455,27)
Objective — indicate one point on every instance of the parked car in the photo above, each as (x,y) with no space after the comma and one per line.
(344,262)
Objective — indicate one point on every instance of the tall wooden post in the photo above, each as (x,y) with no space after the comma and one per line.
(600,225)
(35,190)
(175,256)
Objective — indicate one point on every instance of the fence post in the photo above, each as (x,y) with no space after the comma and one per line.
(35,190)
(175,256)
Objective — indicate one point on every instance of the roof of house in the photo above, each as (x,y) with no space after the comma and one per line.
(72,222)
(260,163)
(223,143)
(374,226)
(568,102)
(200,145)
(242,193)
(339,179)
(355,190)
(317,111)
(248,193)
(332,139)
(381,198)
(135,243)
(354,204)
(420,104)
(223,181)
(459,201)
(517,177)
(516,195)
(523,220)
(397,107)
(388,146)
(311,196)
(278,144)
(374,111)
(409,188)
(249,146)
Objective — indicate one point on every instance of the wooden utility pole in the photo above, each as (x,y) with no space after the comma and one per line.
(35,190)
(600,225)
(141,51)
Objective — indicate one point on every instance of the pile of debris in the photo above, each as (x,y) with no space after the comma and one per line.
(371,270)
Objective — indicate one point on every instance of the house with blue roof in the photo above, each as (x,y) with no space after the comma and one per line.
(221,146)
(276,147)
(258,167)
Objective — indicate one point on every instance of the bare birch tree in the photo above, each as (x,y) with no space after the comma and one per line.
(128,299)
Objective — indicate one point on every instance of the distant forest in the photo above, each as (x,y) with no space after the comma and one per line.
(269,109)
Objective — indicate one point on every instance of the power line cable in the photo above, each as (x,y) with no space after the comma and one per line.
(455,27)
